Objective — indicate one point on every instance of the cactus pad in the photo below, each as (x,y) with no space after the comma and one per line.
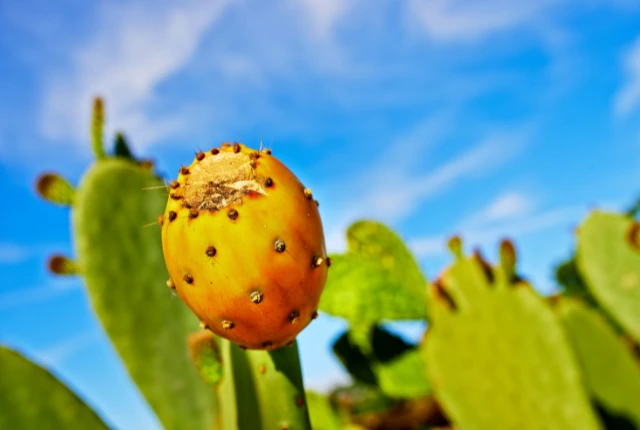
(262,390)
(609,260)
(611,373)
(496,355)
(376,279)
(120,257)
(244,246)
(32,398)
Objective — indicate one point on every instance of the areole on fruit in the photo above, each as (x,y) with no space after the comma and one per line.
(244,245)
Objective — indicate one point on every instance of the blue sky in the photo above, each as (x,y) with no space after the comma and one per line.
(486,118)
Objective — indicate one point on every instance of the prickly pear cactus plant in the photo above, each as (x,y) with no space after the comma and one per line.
(608,256)
(119,255)
(496,354)
(24,383)
(611,373)
(244,246)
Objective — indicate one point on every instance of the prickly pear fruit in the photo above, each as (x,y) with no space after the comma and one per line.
(244,246)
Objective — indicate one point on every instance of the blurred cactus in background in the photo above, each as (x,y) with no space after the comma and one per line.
(495,355)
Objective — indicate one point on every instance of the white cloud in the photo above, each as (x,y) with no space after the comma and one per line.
(506,206)
(325,14)
(428,246)
(11,253)
(397,194)
(135,48)
(52,356)
(401,181)
(628,96)
(489,235)
(465,21)
(28,296)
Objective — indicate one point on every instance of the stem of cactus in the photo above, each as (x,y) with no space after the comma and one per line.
(262,389)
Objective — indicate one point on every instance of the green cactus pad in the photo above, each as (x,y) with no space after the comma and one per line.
(611,373)
(32,398)
(377,279)
(498,358)
(609,260)
(120,256)
(262,390)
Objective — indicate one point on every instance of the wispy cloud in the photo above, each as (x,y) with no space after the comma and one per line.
(325,14)
(489,234)
(65,349)
(398,192)
(471,21)
(28,296)
(400,182)
(11,253)
(135,48)
(506,206)
(627,98)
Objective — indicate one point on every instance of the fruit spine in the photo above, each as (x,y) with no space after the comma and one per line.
(244,246)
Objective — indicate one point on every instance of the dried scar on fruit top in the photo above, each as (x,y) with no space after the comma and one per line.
(219,181)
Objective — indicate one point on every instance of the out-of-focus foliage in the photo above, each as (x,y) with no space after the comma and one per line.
(608,257)
(495,354)
(376,279)
(611,373)
(32,398)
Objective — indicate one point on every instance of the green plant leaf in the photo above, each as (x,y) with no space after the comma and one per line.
(377,279)
(609,260)
(120,256)
(32,398)
(611,373)
(498,358)
(262,390)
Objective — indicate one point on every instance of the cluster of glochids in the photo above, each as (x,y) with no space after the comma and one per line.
(244,246)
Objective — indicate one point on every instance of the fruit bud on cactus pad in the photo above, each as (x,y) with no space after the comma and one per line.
(244,246)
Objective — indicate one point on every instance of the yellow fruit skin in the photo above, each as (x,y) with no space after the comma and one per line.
(245,260)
